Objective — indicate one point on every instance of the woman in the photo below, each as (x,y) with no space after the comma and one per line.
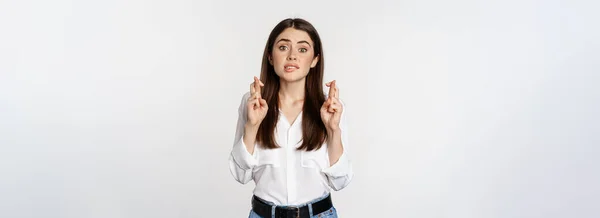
(290,137)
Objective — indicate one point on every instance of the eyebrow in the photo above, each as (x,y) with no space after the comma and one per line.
(287,40)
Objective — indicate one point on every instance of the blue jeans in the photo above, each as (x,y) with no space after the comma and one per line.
(331,213)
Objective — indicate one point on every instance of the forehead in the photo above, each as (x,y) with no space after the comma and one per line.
(294,35)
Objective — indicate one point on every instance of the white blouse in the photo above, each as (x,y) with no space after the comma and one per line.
(284,175)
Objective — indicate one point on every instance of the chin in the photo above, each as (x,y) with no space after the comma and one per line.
(288,77)
(292,77)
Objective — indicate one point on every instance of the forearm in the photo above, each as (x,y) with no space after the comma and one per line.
(250,137)
(334,145)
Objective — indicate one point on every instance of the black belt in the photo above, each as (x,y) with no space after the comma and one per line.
(260,207)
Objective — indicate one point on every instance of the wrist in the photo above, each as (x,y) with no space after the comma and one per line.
(333,135)
(251,128)
(333,131)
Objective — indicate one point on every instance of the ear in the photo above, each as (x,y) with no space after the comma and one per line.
(270,59)
(314,62)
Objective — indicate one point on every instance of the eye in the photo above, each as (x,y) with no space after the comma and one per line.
(283,48)
(303,50)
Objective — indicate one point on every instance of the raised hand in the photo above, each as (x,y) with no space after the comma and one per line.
(257,106)
(331,111)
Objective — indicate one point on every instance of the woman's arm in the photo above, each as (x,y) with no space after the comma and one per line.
(241,160)
(335,148)
(339,173)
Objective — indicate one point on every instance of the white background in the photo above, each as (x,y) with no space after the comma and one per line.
(127,109)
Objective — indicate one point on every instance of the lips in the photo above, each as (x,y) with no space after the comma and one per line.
(290,67)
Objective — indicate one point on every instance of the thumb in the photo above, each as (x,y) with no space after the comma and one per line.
(263,103)
(325,105)
(337,115)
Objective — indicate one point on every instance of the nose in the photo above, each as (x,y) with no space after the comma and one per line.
(291,57)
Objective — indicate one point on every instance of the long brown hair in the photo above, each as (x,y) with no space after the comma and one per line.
(313,129)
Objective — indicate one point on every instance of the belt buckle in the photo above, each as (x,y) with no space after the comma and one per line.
(285,211)
(297,212)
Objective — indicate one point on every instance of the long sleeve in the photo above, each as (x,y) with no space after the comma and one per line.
(340,174)
(241,162)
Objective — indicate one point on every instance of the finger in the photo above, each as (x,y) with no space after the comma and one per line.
(254,94)
(257,80)
(329,105)
(336,101)
(335,108)
(336,104)
(334,87)
(332,109)
(253,102)
(263,103)
(252,97)
(325,105)
(252,90)
(336,90)
(338,113)
(331,87)
(257,85)
(255,99)
(329,83)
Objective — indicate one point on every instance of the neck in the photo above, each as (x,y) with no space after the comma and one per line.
(291,91)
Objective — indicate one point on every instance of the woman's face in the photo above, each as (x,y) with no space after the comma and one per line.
(293,55)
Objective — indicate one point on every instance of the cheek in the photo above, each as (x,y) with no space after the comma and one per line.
(278,58)
(307,61)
